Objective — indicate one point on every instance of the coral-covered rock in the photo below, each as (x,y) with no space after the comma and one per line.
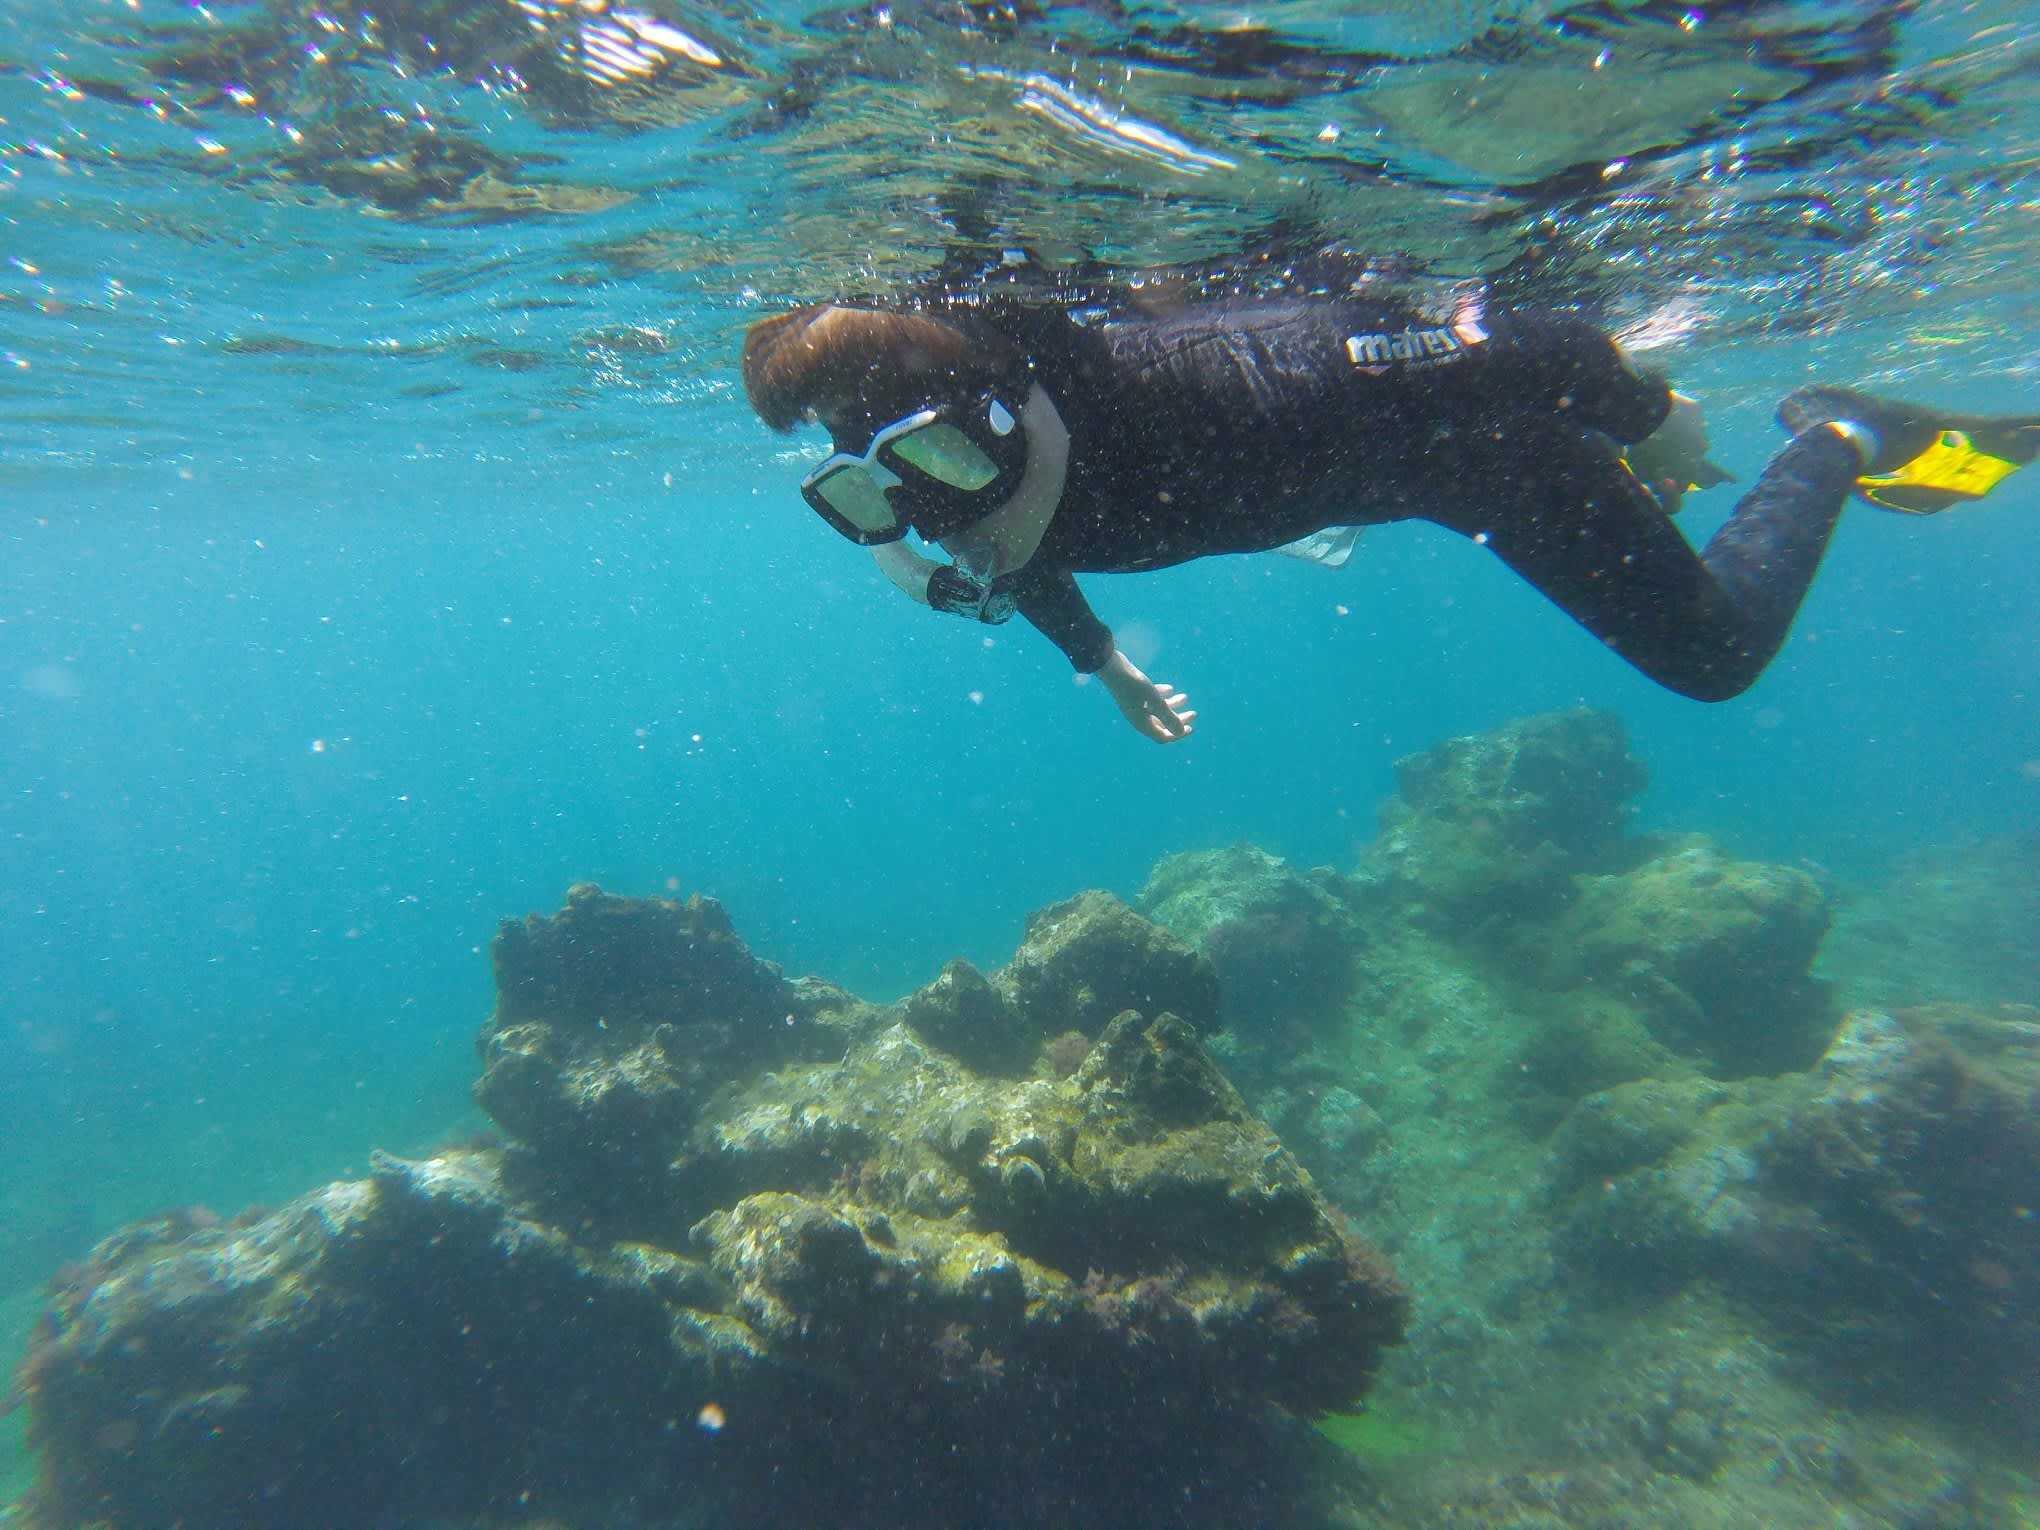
(1492,827)
(1878,1208)
(1717,953)
(837,1271)
(962,1012)
(616,1018)
(1089,957)
(1144,1165)
(373,1353)
(1283,941)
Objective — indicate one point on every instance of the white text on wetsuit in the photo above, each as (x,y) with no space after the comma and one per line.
(1425,347)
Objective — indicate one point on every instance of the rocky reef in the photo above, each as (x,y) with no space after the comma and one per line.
(1954,924)
(1283,941)
(1507,856)
(1011,1249)
(1716,954)
(1691,1245)
(1490,830)
(1877,1209)
(1715,1196)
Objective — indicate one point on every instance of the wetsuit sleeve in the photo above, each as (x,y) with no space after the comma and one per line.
(1051,600)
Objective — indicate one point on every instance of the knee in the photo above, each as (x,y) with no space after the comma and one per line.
(1709,673)
(1720,681)
(1717,687)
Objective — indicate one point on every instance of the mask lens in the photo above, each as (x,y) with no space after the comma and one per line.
(947,455)
(855,495)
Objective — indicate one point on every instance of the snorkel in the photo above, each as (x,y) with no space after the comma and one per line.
(1005,540)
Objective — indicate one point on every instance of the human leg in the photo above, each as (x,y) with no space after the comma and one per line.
(1581,528)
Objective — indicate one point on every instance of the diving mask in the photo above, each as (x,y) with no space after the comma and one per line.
(936,470)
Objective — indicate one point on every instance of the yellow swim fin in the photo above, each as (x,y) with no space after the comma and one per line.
(1951,471)
(1927,460)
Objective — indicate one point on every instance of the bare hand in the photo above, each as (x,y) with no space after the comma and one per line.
(1160,711)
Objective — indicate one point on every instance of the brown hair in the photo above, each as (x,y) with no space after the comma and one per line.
(869,363)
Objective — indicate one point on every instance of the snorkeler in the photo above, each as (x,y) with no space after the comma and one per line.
(1030,447)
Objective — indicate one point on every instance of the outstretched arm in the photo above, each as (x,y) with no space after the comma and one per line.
(1050,599)
(1160,711)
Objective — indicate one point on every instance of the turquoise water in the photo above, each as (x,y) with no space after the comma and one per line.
(385,543)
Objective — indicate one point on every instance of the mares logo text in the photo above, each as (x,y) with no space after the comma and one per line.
(1418,347)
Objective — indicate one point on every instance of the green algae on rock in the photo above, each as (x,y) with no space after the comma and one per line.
(1717,953)
(618,1019)
(888,1274)
(1080,963)
(1150,1214)
(1283,941)
(1089,957)
(1491,828)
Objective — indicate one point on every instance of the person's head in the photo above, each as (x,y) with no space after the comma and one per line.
(924,412)
(858,369)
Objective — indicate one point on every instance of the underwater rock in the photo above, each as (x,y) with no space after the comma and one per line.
(1143,1166)
(965,1015)
(1082,961)
(1877,1209)
(1957,925)
(1634,1125)
(1283,941)
(1578,1042)
(376,1351)
(617,1018)
(1492,827)
(1087,958)
(883,1271)
(1345,1124)
(1716,953)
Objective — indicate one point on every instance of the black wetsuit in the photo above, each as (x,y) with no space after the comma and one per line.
(1238,426)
